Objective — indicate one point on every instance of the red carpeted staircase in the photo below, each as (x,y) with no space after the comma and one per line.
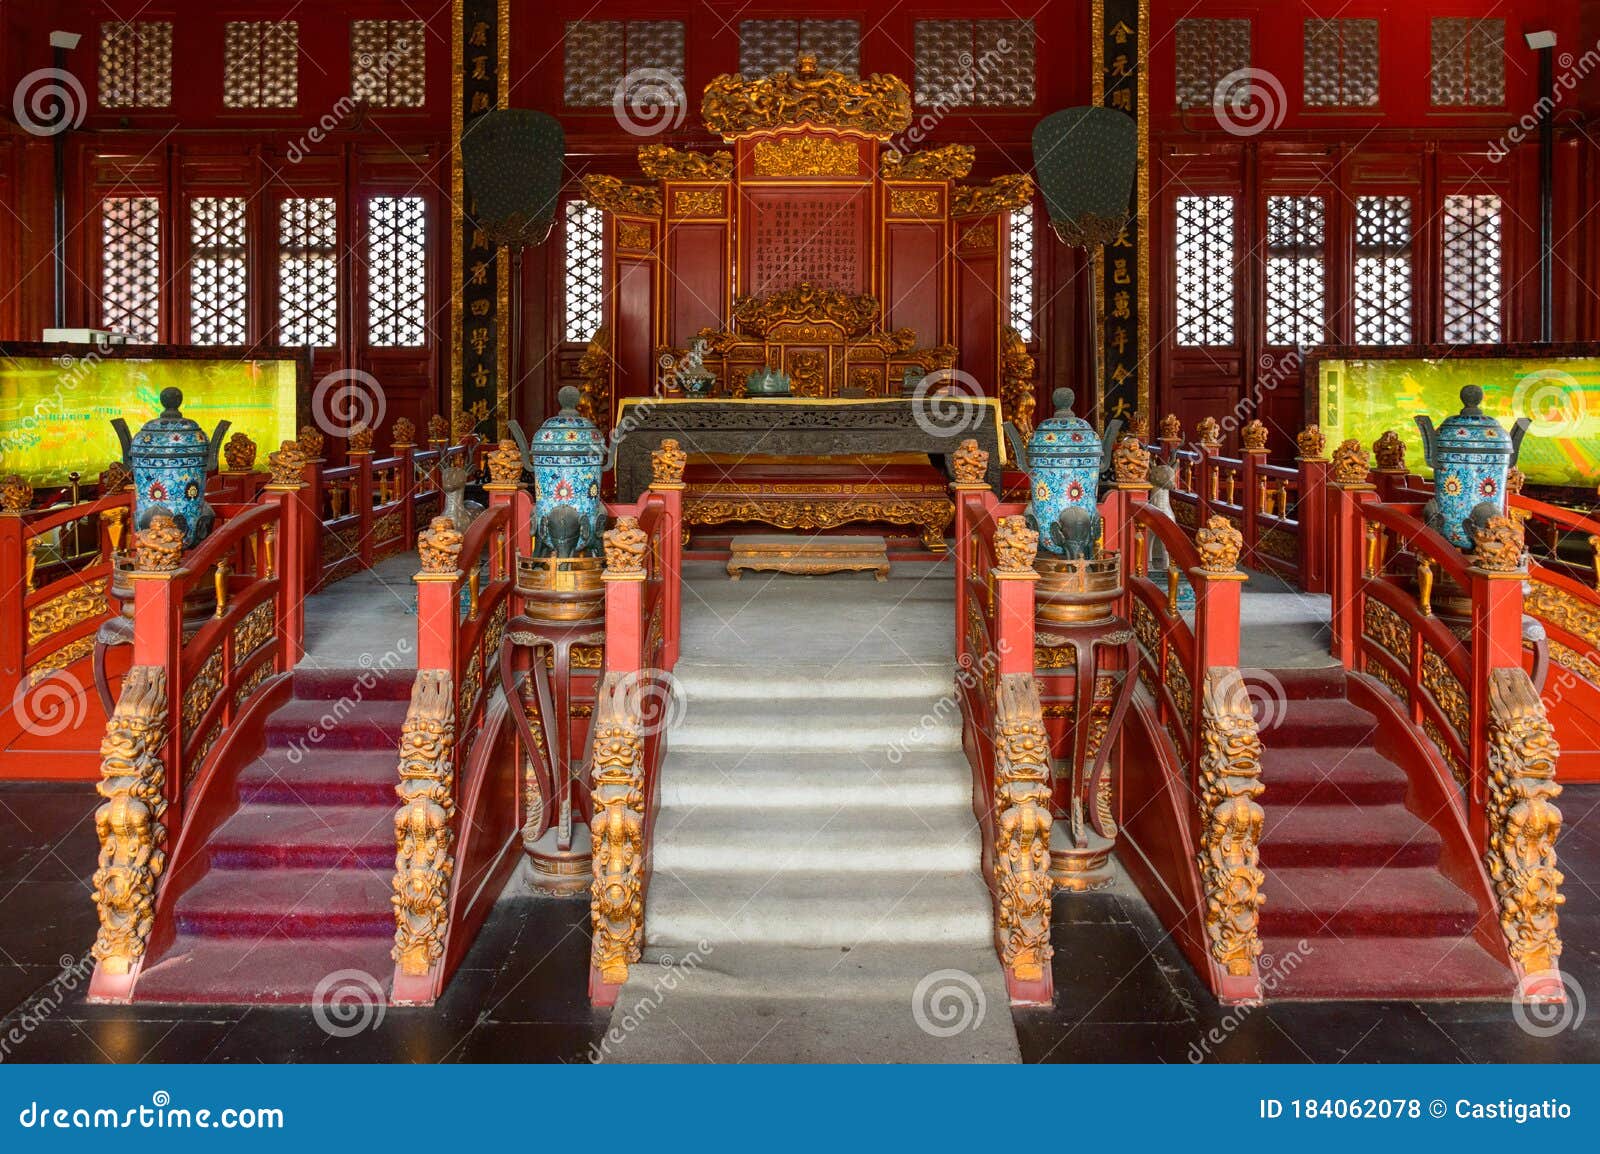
(298,879)
(1351,870)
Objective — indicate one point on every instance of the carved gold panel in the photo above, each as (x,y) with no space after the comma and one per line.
(806,156)
(1446,690)
(698,202)
(62,612)
(920,203)
(1385,627)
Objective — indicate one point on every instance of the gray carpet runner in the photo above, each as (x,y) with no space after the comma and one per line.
(816,894)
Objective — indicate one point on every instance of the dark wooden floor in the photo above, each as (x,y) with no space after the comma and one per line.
(1123,992)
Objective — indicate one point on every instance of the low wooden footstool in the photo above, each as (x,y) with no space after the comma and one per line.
(780,554)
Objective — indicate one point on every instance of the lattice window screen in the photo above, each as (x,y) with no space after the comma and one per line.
(1383,289)
(585,270)
(1469,62)
(1296,269)
(260,67)
(308,271)
(600,55)
(1020,286)
(768,46)
(388,62)
(1205,281)
(1341,63)
(218,265)
(130,266)
(975,63)
(1472,269)
(1209,50)
(397,270)
(136,64)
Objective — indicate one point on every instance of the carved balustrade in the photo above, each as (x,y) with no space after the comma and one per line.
(1441,630)
(215,631)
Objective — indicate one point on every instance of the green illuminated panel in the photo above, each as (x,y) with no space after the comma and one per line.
(1561,395)
(55,414)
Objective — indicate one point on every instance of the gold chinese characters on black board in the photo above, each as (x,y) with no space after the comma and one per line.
(479,285)
(1120,38)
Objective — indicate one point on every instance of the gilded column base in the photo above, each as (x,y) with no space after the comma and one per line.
(1081,871)
(557,871)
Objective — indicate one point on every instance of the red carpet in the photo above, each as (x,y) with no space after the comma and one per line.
(299,877)
(1352,872)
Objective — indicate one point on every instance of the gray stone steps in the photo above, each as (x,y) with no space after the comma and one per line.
(834,840)
(801,724)
(785,779)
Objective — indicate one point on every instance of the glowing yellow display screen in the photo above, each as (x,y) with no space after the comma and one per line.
(1560,395)
(56,413)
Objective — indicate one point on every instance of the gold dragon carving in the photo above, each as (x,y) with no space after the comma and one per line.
(594,370)
(616,895)
(423,834)
(1219,544)
(952,162)
(667,463)
(1209,430)
(1015,546)
(287,465)
(311,442)
(1312,443)
(1130,462)
(611,194)
(806,156)
(1499,545)
(1350,463)
(970,463)
(626,546)
(1001,194)
(132,837)
(757,316)
(159,548)
(439,546)
(1230,821)
(1017,368)
(1022,823)
(15,494)
(239,453)
(1254,437)
(1524,821)
(403,433)
(1171,428)
(1390,451)
(877,105)
(663,162)
(505,464)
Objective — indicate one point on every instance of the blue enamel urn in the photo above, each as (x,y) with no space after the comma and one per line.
(1065,456)
(1470,455)
(568,457)
(170,458)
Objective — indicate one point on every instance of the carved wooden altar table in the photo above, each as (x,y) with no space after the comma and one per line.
(799,463)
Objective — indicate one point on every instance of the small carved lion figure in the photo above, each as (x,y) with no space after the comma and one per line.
(438,428)
(403,433)
(240,453)
(1219,544)
(1130,461)
(1171,428)
(1209,431)
(311,442)
(1254,437)
(1390,451)
(287,464)
(970,463)
(625,546)
(1312,441)
(360,437)
(116,478)
(159,548)
(1350,463)
(1515,480)
(439,546)
(667,463)
(15,494)
(1499,542)
(1015,545)
(1138,426)
(505,464)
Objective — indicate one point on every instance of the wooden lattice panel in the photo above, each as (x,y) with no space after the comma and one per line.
(260,67)
(1469,63)
(130,266)
(397,270)
(388,62)
(1208,51)
(1296,270)
(218,271)
(308,271)
(136,64)
(1341,63)
(1472,269)
(1383,292)
(768,46)
(1204,266)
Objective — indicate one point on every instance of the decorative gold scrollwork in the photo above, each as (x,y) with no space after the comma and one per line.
(1524,821)
(424,838)
(952,162)
(807,156)
(1001,194)
(663,162)
(132,838)
(1230,821)
(616,896)
(611,194)
(878,105)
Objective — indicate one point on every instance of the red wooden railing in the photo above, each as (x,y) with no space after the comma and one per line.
(373,507)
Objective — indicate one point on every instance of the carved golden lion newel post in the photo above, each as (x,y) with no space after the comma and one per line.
(1230,822)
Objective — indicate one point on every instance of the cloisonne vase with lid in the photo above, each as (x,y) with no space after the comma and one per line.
(1065,457)
(169,458)
(568,456)
(1470,455)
